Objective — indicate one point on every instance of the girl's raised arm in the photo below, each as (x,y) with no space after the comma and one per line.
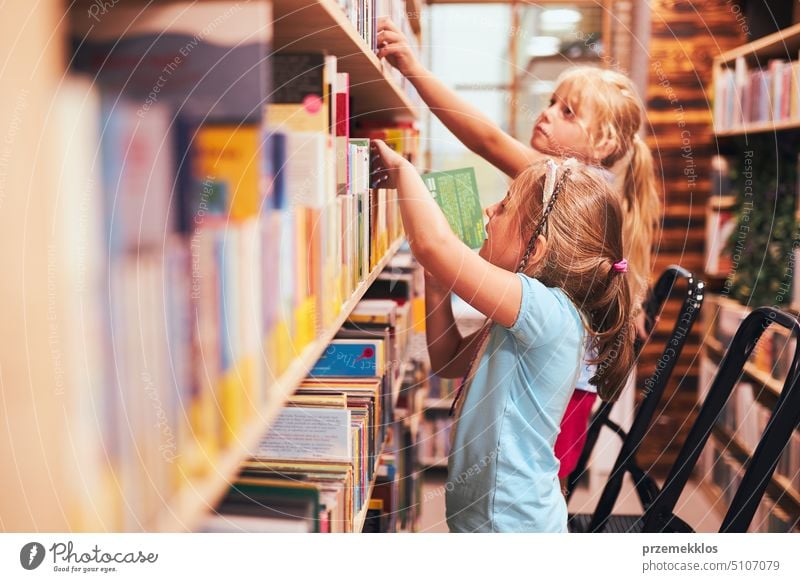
(493,291)
(469,124)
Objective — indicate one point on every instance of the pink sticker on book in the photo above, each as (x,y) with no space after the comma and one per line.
(312,103)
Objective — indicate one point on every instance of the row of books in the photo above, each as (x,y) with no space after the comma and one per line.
(744,417)
(338,435)
(364,14)
(775,349)
(725,472)
(744,95)
(165,310)
(213,245)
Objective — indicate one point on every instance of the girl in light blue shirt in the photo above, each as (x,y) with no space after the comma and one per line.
(550,278)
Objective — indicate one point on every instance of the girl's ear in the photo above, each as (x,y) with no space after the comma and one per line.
(604,148)
(539,250)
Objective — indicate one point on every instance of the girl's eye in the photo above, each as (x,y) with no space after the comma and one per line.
(552,101)
(568,112)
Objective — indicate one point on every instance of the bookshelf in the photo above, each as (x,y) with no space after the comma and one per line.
(746,412)
(321,25)
(775,45)
(779,487)
(197,498)
(760,127)
(737,88)
(43,377)
(771,384)
(756,118)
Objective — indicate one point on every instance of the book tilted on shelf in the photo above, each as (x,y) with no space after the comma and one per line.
(456,192)
(298,101)
(351,357)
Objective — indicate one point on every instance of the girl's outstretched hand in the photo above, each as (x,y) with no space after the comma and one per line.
(393,45)
(385,164)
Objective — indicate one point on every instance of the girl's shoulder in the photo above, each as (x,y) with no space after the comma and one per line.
(545,313)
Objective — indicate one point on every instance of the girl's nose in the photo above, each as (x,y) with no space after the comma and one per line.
(490,211)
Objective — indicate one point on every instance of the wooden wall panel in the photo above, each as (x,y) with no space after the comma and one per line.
(685,38)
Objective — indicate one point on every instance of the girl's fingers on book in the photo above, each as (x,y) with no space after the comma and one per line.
(387,36)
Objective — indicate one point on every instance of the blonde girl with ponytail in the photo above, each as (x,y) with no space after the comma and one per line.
(595,116)
(551,277)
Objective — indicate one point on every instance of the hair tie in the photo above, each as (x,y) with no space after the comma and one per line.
(621,266)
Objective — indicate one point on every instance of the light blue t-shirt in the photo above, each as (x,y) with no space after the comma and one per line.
(503,474)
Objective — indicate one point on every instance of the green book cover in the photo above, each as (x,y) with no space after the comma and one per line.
(456,192)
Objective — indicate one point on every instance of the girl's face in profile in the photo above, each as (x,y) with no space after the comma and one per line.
(503,246)
(561,131)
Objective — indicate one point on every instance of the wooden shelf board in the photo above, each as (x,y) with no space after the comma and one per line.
(752,373)
(760,127)
(322,26)
(188,507)
(782,44)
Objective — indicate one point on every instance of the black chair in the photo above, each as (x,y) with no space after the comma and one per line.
(646,488)
(784,420)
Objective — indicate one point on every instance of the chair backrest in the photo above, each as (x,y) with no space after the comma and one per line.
(654,389)
(783,421)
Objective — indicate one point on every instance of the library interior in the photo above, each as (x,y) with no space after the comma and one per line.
(230,327)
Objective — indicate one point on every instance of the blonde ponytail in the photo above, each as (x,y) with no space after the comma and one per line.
(642,207)
(617,115)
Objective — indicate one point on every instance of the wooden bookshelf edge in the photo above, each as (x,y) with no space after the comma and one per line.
(754,47)
(321,25)
(761,127)
(753,374)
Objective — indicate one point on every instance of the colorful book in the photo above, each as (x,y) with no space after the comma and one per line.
(456,193)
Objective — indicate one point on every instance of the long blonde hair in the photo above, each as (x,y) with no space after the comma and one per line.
(617,118)
(584,241)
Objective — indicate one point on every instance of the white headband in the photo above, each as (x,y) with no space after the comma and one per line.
(549,182)
(550,178)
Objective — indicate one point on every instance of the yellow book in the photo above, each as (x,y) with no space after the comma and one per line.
(231,397)
(283,346)
(305,321)
(228,157)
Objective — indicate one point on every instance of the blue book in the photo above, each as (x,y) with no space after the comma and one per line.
(345,357)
